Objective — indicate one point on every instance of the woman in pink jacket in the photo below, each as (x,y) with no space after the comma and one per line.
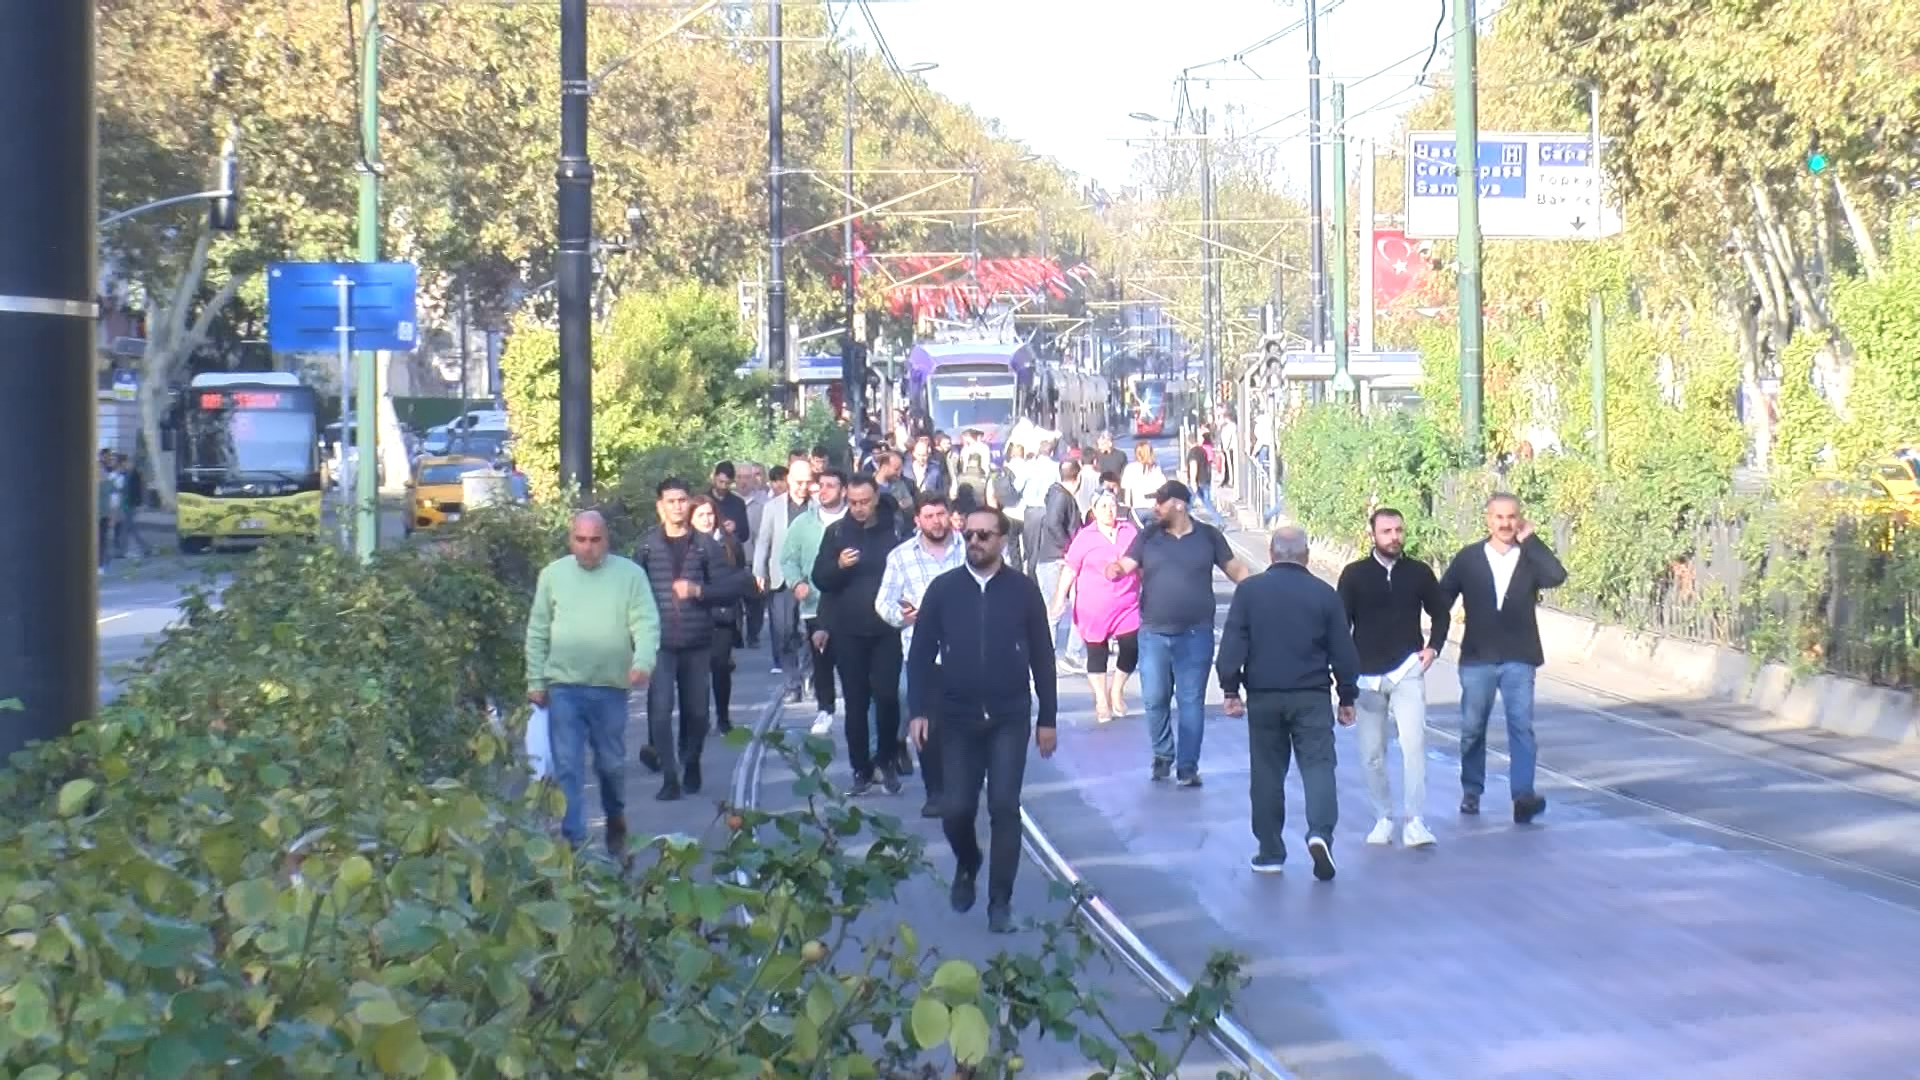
(1105,612)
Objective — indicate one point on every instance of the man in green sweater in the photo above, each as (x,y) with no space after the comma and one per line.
(592,637)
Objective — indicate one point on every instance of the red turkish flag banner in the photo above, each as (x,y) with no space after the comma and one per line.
(1398,267)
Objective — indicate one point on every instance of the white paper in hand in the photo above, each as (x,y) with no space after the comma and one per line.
(539,743)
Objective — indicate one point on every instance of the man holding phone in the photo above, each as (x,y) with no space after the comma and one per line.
(866,648)
(933,550)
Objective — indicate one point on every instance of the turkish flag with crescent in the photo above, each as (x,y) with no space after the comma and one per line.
(1398,267)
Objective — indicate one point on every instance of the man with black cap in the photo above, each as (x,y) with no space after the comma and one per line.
(1175,558)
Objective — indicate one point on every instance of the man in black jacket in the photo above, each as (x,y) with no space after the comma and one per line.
(866,650)
(983,628)
(1060,519)
(1500,581)
(1286,629)
(1384,594)
(690,576)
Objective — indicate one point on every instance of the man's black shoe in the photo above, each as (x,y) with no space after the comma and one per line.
(725,725)
(617,837)
(1469,803)
(963,892)
(1162,768)
(862,785)
(1528,807)
(690,776)
(931,809)
(889,780)
(999,919)
(669,792)
(1189,778)
(1322,854)
(650,759)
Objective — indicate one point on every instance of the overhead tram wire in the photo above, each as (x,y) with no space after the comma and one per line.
(906,82)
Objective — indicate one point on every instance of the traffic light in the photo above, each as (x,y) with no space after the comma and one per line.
(223,213)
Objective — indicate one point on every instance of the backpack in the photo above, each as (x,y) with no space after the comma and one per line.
(1004,491)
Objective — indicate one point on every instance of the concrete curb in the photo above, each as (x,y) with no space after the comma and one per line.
(1828,702)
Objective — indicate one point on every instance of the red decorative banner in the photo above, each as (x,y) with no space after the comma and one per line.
(1399,269)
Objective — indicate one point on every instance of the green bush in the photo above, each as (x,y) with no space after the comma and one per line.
(289,850)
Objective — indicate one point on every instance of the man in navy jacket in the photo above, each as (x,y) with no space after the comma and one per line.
(1500,580)
(982,653)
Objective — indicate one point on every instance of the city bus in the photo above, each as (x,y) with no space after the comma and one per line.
(247,460)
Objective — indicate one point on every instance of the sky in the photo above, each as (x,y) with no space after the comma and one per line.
(1064,75)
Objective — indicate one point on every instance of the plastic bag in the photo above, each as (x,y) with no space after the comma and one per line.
(539,743)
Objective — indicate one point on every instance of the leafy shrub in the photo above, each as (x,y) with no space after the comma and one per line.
(287,850)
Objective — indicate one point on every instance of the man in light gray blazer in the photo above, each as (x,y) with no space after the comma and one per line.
(769,534)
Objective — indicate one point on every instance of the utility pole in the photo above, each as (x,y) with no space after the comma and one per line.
(1208,327)
(1342,379)
(1368,244)
(1596,305)
(573,270)
(776,197)
(48,528)
(465,299)
(366,417)
(1316,241)
(852,372)
(1466,159)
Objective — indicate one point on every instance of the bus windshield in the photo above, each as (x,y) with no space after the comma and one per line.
(239,441)
(973,401)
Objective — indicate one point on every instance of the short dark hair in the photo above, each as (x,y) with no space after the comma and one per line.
(884,458)
(973,431)
(965,502)
(725,469)
(938,435)
(1000,524)
(863,479)
(1109,477)
(671,483)
(795,454)
(777,473)
(930,498)
(1385,511)
(1069,470)
(817,451)
(835,473)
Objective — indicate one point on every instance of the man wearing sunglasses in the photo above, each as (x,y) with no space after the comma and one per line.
(982,652)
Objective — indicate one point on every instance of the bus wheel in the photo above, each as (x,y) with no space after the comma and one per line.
(195,545)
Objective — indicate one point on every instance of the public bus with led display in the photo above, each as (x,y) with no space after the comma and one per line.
(247,460)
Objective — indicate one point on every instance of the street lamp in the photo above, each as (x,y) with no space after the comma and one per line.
(1146,118)
(223,209)
(919,69)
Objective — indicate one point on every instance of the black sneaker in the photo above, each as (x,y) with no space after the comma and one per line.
(1469,803)
(905,764)
(931,809)
(999,919)
(964,891)
(690,776)
(862,785)
(1162,768)
(669,792)
(1323,867)
(650,759)
(725,725)
(617,837)
(1267,864)
(889,780)
(1189,778)
(1528,807)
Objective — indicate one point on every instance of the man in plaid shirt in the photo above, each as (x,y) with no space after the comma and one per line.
(933,550)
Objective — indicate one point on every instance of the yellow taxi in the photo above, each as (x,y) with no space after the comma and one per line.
(437,496)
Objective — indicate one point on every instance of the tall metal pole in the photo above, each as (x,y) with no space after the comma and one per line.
(1342,380)
(574,263)
(48,526)
(1466,157)
(1596,306)
(1368,244)
(1316,241)
(852,374)
(366,413)
(776,198)
(465,299)
(1209,328)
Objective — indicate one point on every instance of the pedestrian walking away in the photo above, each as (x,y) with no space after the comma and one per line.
(934,549)
(866,648)
(798,552)
(1175,558)
(1285,641)
(784,633)
(1140,481)
(755,490)
(1058,522)
(1106,613)
(977,694)
(1498,582)
(1384,594)
(728,618)
(690,576)
(592,637)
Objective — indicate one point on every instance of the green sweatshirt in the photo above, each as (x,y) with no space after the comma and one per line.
(590,627)
(802,546)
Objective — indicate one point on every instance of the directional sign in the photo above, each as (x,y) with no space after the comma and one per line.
(1360,365)
(1533,186)
(303,306)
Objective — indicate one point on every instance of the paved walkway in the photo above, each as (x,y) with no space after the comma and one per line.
(1696,902)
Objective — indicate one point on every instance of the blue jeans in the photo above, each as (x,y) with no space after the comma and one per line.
(1173,668)
(1478,683)
(578,717)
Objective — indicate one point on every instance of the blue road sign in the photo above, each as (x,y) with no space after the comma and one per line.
(303,306)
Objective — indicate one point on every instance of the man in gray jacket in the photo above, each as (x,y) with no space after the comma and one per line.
(783,610)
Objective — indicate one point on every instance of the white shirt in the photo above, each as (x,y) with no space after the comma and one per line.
(981,578)
(1503,565)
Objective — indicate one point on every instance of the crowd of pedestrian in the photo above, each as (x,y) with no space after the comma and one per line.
(929,601)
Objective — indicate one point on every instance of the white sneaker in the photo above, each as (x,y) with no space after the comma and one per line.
(1417,834)
(822,724)
(1382,832)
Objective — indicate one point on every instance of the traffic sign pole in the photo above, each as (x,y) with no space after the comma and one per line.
(1342,381)
(343,286)
(1466,157)
(367,404)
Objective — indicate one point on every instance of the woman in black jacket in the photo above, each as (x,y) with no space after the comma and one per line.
(705,520)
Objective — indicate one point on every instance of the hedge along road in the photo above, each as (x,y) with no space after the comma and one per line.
(1685,907)
(1125,978)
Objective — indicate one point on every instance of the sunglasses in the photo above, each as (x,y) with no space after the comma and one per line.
(982,535)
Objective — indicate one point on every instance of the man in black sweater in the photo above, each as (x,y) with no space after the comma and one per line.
(1384,594)
(848,570)
(1286,630)
(1500,581)
(981,654)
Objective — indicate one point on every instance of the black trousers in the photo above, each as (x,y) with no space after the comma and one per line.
(756,612)
(932,767)
(720,663)
(870,675)
(1296,723)
(1030,533)
(687,674)
(822,666)
(976,748)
